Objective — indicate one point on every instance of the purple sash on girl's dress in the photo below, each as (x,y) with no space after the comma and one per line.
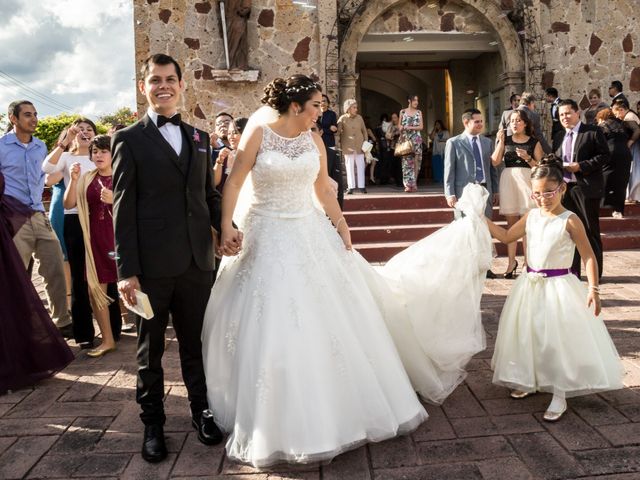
(550,272)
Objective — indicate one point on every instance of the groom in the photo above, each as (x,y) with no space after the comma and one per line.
(164,212)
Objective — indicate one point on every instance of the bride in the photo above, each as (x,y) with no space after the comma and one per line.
(308,350)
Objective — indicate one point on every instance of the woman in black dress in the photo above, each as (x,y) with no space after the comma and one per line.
(616,172)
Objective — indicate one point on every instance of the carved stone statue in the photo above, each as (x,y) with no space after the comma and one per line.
(237,13)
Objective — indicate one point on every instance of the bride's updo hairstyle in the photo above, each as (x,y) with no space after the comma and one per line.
(281,93)
(550,167)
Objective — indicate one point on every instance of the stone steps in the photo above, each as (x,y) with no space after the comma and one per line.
(385,224)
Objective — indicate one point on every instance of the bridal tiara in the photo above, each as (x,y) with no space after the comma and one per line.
(303,88)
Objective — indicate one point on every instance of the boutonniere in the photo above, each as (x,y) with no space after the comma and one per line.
(196,136)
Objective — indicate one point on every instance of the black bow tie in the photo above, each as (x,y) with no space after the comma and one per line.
(162,120)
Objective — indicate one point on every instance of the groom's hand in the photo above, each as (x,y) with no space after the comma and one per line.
(127,289)
(451,201)
(496,198)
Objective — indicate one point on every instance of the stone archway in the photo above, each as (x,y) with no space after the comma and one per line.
(509,44)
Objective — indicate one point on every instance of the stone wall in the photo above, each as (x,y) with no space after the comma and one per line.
(588,44)
(283,40)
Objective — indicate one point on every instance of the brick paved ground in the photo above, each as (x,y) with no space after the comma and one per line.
(84,423)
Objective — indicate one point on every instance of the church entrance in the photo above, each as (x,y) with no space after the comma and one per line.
(452,54)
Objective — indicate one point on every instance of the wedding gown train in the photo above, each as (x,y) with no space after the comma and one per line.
(308,350)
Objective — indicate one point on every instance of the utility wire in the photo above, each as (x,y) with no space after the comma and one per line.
(22,91)
(34,92)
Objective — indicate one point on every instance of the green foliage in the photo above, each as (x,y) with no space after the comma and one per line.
(50,128)
(123,116)
(4,122)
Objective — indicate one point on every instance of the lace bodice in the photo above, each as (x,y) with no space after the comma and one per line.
(284,174)
(549,244)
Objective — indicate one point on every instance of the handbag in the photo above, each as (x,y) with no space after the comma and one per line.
(404,147)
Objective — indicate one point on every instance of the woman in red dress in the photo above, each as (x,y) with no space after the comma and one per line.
(93,194)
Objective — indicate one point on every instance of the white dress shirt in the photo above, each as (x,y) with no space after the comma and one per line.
(169,131)
(573,148)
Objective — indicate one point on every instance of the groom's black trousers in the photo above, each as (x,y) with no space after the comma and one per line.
(185,297)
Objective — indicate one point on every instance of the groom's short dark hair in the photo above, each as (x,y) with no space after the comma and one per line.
(159,59)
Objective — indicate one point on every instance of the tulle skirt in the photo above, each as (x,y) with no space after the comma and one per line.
(515,191)
(549,341)
(309,351)
(299,364)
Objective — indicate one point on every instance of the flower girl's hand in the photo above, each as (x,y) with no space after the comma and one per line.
(593,298)
(231,241)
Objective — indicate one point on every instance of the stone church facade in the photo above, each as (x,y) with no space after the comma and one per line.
(454,54)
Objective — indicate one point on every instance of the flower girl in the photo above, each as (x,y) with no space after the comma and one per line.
(550,338)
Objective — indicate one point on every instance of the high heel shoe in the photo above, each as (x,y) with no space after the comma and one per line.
(512,273)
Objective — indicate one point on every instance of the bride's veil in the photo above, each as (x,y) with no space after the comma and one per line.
(263,116)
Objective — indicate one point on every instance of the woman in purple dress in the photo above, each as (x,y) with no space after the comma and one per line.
(31,348)
(93,194)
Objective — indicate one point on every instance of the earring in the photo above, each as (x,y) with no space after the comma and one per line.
(297,112)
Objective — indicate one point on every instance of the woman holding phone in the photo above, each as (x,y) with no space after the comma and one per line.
(519,152)
(78,139)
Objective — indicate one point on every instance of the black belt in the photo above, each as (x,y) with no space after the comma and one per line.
(482,184)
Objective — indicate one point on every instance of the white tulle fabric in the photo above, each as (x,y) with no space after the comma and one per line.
(548,340)
(301,336)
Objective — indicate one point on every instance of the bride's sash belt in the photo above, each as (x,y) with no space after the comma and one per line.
(276,214)
(550,272)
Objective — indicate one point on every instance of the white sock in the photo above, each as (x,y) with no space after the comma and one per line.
(558,403)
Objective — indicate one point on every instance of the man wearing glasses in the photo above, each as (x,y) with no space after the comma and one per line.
(219,138)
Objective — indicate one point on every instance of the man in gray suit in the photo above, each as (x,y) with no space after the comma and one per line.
(467,159)
(528,104)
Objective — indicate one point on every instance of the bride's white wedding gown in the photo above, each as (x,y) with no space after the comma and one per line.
(308,350)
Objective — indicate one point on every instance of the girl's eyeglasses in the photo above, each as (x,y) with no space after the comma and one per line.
(538,196)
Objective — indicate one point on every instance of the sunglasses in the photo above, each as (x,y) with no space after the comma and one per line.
(538,196)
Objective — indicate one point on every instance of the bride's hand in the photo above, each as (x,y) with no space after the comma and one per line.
(345,235)
(231,241)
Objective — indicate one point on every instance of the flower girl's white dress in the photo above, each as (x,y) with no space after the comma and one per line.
(308,350)
(548,340)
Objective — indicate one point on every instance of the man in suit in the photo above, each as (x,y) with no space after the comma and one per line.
(165,208)
(528,104)
(584,151)
(328,123)
(551,97)
(467,159)
(615,92)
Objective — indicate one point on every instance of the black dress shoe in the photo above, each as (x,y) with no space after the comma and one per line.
(86,345)
(66,331)
(363,190)
(208,431)
(153,446)
(490,274)
(349,191)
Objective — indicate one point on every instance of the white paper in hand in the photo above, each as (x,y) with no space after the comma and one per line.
(142,306)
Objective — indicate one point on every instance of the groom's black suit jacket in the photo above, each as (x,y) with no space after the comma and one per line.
(163,208)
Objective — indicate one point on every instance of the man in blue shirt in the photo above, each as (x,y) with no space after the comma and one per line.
(21,157)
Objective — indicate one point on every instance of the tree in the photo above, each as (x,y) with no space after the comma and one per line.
(123,116)
(50,128)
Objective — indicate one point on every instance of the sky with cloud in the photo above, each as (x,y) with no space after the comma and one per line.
(67,55)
